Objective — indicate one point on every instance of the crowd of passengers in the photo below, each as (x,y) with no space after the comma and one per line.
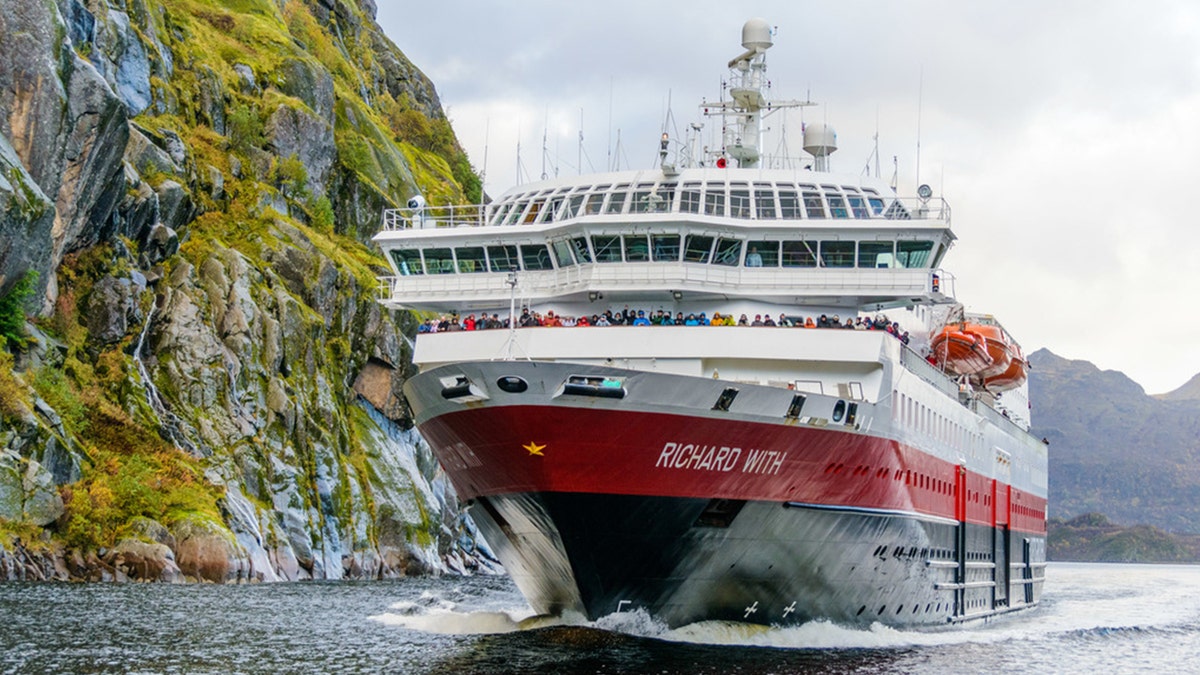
(628,317)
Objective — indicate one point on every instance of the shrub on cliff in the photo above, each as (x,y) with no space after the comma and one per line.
(12,310)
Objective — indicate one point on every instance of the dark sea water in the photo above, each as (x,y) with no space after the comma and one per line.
(1094,619)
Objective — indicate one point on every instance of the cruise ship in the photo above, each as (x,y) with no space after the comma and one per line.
(643,385)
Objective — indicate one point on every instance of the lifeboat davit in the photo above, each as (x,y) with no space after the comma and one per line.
(961,351)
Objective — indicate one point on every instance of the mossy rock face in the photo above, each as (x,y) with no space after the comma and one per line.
(226,393)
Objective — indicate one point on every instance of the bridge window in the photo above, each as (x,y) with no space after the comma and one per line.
(562,251)
(764,202)
(689,198)
(594,201)
(536,257)
(439,261)
(616,201)
(768,253)
(408,261)
(814,207)
(637,248)
(913,253)
(666,247)
(739,201)
(697,249)
(875,254)
(729,252)
(837,254)
(580,246)
(714,199)
(470,259)
(607,247)
(502,258)
(799,254)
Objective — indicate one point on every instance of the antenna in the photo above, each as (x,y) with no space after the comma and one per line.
(545,148)
(920,94)
(579,154)
(608,166)
(487,130)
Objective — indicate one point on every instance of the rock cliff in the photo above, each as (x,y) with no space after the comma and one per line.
(206,388)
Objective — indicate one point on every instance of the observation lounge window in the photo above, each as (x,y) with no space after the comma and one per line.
(580,246)
(858,207)
(470,259)
(574,206)
(502,258)
(764,202)
(534,209)
(697,249)
(739,201)
(767,252)
(689,198)
(607,247)
(536,257)
(666,193)
(562,251)
(646,200)
(551,212)
(837,254)
(665,247)
(876,205)
(789,204)
(408,261)
(876,254)
(616,201)
(439,261)
(798,254)
(594,201)
(837,205)
(814,207)
(913,253)
(637,248)
(714,200)
(729,252)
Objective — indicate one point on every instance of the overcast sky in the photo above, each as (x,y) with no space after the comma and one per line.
(1065,135)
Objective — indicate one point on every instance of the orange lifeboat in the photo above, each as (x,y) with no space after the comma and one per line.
(960,351)
(999,348)
(1013,377)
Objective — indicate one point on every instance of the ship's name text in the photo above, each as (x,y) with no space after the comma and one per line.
(719,458)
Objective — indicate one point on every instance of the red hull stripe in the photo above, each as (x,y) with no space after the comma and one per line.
(510,449)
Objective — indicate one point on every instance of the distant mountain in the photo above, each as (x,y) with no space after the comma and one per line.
(1114,449)
(1093,538)
(1190,391)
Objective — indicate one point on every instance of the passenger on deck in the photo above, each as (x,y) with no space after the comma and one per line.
(602,320)
(768,321)
(757,320)
(583,321)
(743,321)
(641,319)
(823,322)
(754,259)
(783,320)
(679,319)
(667,320)
(809,323)
(691,320)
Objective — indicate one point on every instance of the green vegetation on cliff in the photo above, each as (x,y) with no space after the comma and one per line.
(1093,538)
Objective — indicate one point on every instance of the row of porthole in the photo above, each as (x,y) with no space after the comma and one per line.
(912,552)
(921,481)
(931,607)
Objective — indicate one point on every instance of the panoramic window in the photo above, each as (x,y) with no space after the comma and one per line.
(689,198)
(767,252)
(607,247)
(799,254)
(697,249)
(408,261)
(616,201)
(502,258)
(913,253)
(837,254)
(764,202)
(789,204)
(562,251)
(739,201)
(534,209)
(470,259)
(876,205)
(536,257)
(714,199)
(729,252)
(594,201)
(582,254)
(637,248)
(575,206)
(837,205)
(666,247)
(875,254)
(858,206)
(813,205)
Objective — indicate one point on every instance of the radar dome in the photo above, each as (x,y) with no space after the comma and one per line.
(820,140)
(756,34)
